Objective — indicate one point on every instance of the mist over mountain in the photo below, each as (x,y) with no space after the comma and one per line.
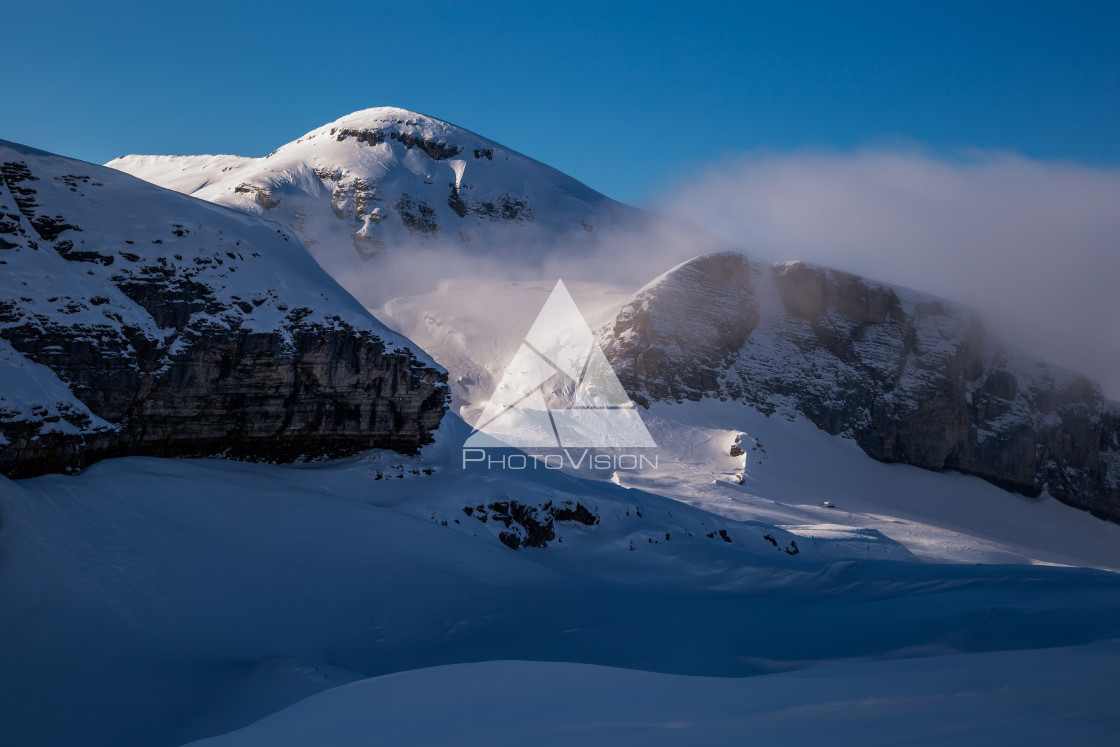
(388,199)
(910,377)
(945,392)
(1032,245)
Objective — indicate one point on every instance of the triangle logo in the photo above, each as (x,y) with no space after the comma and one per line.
(559,390)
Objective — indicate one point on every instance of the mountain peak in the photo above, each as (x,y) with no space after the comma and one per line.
(390,122)
(389,177)
(385,115)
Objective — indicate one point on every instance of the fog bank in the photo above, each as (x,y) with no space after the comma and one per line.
(1033,246)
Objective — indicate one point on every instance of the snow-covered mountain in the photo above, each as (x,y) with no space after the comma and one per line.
(910,377)
(377,183)
(913,378)
(385,175)
(155,601)
(137,320)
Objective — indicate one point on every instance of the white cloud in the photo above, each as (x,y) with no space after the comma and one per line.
(1033,246)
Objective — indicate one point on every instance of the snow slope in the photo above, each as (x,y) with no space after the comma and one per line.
(154,601)
(362,157)
(790,468)
(84,230)
(1022,698)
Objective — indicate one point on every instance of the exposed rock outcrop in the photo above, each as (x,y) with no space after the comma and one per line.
(531,526)
(910,377)
(134,320)
(677,347)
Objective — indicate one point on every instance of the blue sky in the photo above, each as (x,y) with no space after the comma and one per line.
(626,97)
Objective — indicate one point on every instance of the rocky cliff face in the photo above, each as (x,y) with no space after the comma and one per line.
(910,377)
(134,320)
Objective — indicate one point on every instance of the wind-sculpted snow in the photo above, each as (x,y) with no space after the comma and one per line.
(166,325)
(910,377)
(1023,698)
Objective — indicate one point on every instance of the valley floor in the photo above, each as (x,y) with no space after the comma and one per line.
(156,602)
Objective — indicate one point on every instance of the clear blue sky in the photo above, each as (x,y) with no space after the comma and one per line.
(624,96)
